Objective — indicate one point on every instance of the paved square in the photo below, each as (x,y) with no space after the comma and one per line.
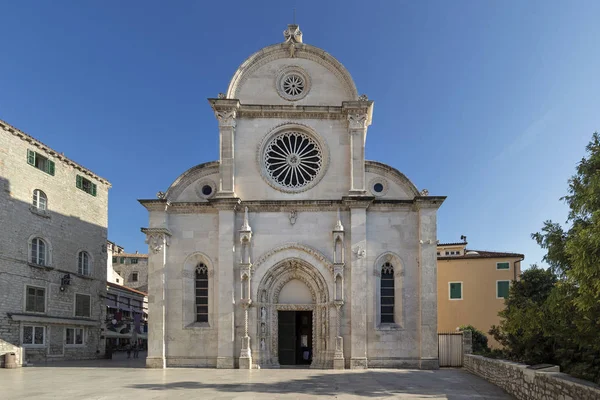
(127,379)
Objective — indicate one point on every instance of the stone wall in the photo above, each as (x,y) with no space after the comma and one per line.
(529,384)
(73,221)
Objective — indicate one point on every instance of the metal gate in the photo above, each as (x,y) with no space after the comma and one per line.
(450,349)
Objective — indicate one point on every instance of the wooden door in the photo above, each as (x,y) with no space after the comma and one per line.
(287,337)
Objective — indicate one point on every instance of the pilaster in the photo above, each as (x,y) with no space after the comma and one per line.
(158,239)
(359,115)
(358,278)
(427,263)
(226,113)
(225,282)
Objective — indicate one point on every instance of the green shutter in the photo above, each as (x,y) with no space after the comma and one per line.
(30,157)
(93,189)
(50,166)
(456,290)
(502,265)
(503,287)
(79,182)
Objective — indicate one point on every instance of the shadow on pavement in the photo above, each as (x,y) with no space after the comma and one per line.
(119,360)
(442,384)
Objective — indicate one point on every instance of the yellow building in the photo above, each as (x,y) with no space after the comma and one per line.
(472,286)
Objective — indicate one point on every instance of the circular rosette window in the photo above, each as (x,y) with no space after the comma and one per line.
(292,83)
(293,161)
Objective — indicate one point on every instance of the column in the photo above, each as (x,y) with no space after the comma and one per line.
(226,113)
(158,239)
(245,360)
(427,262)
(359,118)
(225,283)
(359,292)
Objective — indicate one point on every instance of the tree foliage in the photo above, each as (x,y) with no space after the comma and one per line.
(553,316)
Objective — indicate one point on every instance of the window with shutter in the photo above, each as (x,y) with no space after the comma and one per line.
(502,265)
(86,185)
(40,162)
(82,305)
(455,290)
(35,299)
(502,288)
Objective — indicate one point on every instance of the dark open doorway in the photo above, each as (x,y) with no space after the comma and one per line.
(295,337)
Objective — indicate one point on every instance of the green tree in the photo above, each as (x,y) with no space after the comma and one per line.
(575,253)
(520,330)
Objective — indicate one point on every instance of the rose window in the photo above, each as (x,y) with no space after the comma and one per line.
(293,159)
(293,85)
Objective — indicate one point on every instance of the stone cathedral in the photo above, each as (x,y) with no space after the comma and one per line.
(292,249)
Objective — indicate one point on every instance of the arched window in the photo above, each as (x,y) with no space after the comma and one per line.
(201,293)
(83,263)
(387,293)
(38,251)
(40,201)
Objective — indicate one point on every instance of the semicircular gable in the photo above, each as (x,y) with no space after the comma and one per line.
(280,51)
(190,176)
(393,175)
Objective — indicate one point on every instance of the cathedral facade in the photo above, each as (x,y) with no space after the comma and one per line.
(292,249)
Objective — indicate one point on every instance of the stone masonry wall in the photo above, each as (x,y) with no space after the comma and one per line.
(73,221)
(127,269)
(529,384)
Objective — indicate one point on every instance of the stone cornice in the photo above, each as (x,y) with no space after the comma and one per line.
(154,204)
(22,135)
(286,111)
(429,201)
(225,203)
(212,206)
(154,231)
(357,201)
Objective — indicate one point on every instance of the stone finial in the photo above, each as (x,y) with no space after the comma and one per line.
(363,97)
(293,34)
(246,225)
(338,225)
(222,96)
(160,195)
(424,192)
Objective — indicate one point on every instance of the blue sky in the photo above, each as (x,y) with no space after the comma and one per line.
(489,103)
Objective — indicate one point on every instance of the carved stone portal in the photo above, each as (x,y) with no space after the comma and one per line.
(267,312)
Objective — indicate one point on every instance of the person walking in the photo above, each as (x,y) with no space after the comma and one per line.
(128,348)
(136,350)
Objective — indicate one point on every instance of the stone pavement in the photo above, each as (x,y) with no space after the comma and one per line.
(127,379)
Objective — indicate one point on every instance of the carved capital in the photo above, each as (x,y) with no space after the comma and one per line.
(157,238)
(357,121)
(226,118)
(225,111)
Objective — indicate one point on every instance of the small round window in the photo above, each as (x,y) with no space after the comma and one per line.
(378,186)
(207,190)
(292,83)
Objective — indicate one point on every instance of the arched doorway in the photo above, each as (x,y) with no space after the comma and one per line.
(293,315)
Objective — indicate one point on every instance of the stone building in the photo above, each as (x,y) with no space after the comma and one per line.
(472,285)
(126,316)
(131,269)
(54,216)
(292,248)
